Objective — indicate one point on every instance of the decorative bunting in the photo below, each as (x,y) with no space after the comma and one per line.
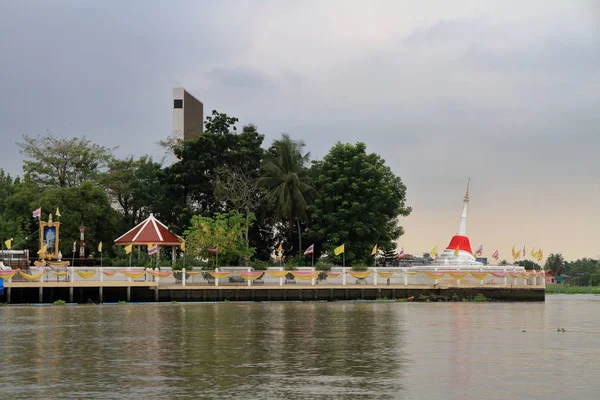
(251,275)
(133,274)
(32,277)
(479,275)
(360,274)
(86,274)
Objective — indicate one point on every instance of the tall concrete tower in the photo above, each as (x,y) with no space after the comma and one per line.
(188,115)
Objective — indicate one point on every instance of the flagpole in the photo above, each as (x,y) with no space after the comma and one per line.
(130,255)
(313,258)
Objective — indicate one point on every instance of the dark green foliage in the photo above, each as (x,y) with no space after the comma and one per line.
(358,204)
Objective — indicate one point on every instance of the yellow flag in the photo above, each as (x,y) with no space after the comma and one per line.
(280,248)
(433,251)
(182,246)
(43,250)
(128,248)
(57,212)
(532,253)
(100,247)
(456,251)
(8,243)
(374,251)
(150,245)
(339,250)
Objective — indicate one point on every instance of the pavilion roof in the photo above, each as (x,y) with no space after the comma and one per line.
(149,231)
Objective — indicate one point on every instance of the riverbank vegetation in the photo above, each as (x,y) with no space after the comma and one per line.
(571,289)
(226,184)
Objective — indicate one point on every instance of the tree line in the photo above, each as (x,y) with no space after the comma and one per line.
(224,190)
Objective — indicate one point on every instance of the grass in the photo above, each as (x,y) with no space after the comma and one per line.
(3,304)
(122,302)
(59,302)
(568,289)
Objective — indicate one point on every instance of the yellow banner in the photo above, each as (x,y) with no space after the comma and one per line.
(514,274)
(277,274)
(479,275)
(360,274)
(385,274)
(434,275)
(306,275)
(60,273)
(412,273)
(333,274)
(220,275)
(86,274)
(32,277)
(39,263)
(109,273)
(160,274)
(58,263)
(458,275)
(193,273)
(133,274)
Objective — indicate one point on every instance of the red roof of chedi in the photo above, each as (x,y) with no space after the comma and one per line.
(149,231)
(462,242)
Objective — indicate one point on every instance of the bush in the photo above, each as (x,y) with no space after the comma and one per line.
(60,303)
(260,265)
(479,298)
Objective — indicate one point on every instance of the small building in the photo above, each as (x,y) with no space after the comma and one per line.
(550,277)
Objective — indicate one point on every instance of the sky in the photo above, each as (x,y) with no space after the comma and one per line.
(504,92)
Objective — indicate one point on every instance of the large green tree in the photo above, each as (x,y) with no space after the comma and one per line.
(555,263)
(86,204)
(191,180)
(58,162)
(286,177)
(359,204)
(135,187)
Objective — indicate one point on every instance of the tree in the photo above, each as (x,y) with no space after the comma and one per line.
(555,263)
(390,258)
(503,262)
(60,162)
(134,186)
(242,190)
(191,180)
(223,231)
(286,178)
(585,271)
(359,202)
(529,265)
(86,204)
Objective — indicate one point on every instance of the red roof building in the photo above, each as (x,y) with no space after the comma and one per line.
(149,231)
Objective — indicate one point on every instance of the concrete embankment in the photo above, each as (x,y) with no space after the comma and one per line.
(138,293)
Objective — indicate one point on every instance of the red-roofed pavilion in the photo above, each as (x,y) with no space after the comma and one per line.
(149,231)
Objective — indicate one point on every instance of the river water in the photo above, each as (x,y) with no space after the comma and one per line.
(358,350)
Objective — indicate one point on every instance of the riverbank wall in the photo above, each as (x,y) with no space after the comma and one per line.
(139,293)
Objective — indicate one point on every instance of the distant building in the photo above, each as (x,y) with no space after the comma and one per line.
(188,115)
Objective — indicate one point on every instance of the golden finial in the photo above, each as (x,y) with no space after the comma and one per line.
(466,199)
(50,223)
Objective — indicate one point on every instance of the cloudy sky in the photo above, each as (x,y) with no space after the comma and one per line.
(505,92)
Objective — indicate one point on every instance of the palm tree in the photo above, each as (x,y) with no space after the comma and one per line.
(555,263)
(285,175)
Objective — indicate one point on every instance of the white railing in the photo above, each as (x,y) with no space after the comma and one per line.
(277,276)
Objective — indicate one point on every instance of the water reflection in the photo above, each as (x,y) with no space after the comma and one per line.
(301,350)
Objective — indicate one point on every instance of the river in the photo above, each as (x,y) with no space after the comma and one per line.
(358,350)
